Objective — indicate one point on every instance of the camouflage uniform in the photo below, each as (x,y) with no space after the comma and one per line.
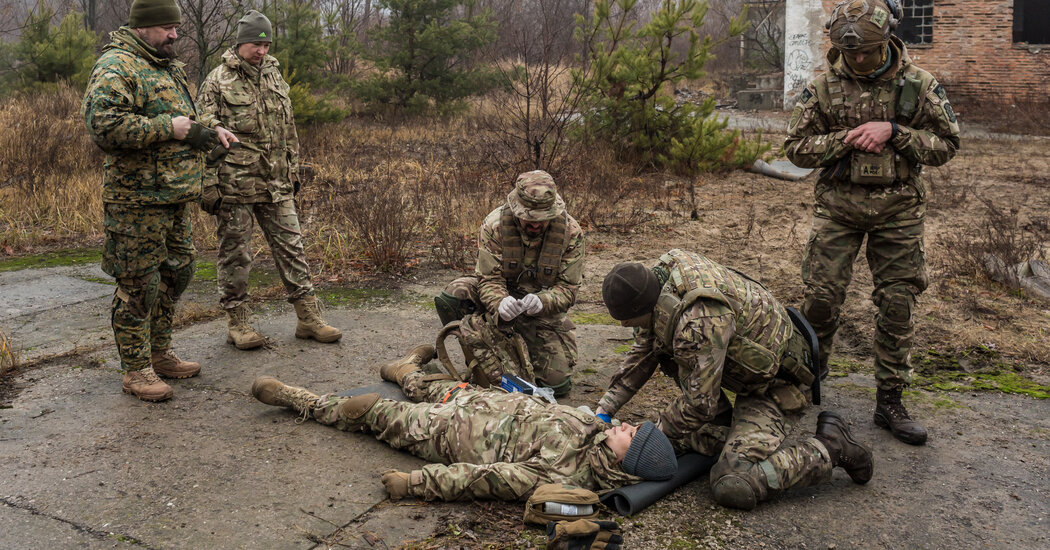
(735,336)
(550,336)
(489,444)
(891,215)
(149,179)
(260,178)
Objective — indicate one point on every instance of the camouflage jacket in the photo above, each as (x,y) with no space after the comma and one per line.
(128,106)
(493,287)
(501,446)
(839,100)
(252,102)
(733,337)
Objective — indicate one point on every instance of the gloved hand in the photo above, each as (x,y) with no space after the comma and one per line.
(532,303)
(509,308)
(201,138)
(219,152)
(396,484)
(604,418)
(211,200)
(583,534)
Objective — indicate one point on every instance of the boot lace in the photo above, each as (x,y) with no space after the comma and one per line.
(149,375)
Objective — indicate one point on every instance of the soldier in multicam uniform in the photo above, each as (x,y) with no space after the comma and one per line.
(871,121)
(487,444)
(530,265)
(248,94)
(711,329)
(138,109)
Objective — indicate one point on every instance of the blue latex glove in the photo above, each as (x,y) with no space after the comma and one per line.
(604,418)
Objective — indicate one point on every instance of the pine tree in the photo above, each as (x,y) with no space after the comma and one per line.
(47,53)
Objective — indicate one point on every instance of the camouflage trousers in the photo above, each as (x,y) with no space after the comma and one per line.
(892,220)
(551,339)
(748,437)
(280,225)
(149,251)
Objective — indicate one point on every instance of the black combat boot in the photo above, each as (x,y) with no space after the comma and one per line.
(891,414)
(843,449)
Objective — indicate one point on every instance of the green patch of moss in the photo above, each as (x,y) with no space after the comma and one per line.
(1000,380)
(623,348)
(205,271)
(353,297)
(844,365)
(837,374)
(99,280)
(588,370)
(258,277)
(581,318)
(58,258)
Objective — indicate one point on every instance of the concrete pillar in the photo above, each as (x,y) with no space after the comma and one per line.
(803,46)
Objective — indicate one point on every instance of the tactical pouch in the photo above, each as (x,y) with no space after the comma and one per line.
(488,350)
(872,168)
(557,502)
(787,396)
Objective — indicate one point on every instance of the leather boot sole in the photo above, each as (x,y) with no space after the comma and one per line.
(883,422)
(250,344)
(167,395)
(306,335)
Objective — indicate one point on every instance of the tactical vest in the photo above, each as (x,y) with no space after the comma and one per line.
(545,272)
(763,328)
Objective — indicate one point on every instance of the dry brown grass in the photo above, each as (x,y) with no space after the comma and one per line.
(10,356)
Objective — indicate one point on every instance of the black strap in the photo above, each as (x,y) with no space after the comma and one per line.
(803,326)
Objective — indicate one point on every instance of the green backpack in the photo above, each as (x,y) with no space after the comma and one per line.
(489,351)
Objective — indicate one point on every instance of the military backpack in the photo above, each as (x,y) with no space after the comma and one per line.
(489,351)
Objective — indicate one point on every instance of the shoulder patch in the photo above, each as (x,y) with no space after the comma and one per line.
(949,112)
(805,96)
(879,17)
(939,90)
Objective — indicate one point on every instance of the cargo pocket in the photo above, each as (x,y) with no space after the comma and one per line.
(788,397)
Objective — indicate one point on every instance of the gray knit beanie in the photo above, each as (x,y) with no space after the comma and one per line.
(254,27)
(154,13)
(629,290)
(650,456)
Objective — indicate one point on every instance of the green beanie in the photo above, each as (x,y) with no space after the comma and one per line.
(154,13)
(254,27)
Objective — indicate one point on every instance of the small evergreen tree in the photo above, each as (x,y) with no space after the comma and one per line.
(423,53)
(631,73)
(47,53)
(299,41)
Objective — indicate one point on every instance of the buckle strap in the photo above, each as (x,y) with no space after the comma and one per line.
(454,390)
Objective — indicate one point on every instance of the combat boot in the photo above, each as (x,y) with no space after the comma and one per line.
(311,325)
(891,414)
(168,365)
(146,385)
(844,451)
(272,391)
(241,333)
(395,371)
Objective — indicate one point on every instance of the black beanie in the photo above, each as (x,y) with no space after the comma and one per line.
(629,290)
(254,27)
(651,455)
(154,13)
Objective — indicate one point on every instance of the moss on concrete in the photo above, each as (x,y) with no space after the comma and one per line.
(58,258)
(581,318)
(353,297)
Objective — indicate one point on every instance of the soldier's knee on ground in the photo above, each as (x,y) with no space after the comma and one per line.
(739,487)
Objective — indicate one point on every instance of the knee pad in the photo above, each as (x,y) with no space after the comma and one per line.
(451,308)
(895,305)
(733,491)
(139,294)
(177,281)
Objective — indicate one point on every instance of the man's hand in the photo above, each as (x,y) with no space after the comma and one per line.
(532,304)
(226,137)
(870,136)
(603,416)
(180,126)
(396,484)
(509,308)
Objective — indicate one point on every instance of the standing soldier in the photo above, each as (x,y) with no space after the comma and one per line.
(530,265)
(248,94)
(871,121)
(138,109)
(711,328)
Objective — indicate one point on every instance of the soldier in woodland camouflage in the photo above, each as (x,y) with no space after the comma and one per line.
(871,121)
(138,109)
(530,265)
(485,444)
(711,329)
(260,180)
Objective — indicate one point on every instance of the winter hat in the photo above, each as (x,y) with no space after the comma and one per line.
(630,290)
(254,27)
(153,13)
(650,456)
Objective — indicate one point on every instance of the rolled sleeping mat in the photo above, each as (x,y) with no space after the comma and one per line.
(386,390)
(631,499)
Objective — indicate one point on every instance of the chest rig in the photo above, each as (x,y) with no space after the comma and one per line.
(555,240)
(763,328)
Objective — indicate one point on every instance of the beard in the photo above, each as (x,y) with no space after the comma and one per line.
(166,49)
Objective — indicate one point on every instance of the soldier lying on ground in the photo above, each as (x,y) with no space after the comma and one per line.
(487,444)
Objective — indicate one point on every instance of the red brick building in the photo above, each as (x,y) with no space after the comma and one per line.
(984,50)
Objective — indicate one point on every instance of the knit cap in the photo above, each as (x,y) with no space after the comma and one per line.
(629,290)
(154,13)
(651,455)
(254,27)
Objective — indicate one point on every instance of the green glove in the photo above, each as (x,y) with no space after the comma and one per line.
(211,199)
(583,534)
(201,138)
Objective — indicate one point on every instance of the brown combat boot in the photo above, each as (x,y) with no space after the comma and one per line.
(844,451)
(311,325)
(272,391)
(146,385)
(168,365)
(395,371)
(891,414)
(241,333)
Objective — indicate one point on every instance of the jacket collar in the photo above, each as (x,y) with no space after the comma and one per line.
(125,38)
(901,60)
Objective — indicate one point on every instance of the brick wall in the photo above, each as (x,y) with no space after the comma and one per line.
(973,55)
